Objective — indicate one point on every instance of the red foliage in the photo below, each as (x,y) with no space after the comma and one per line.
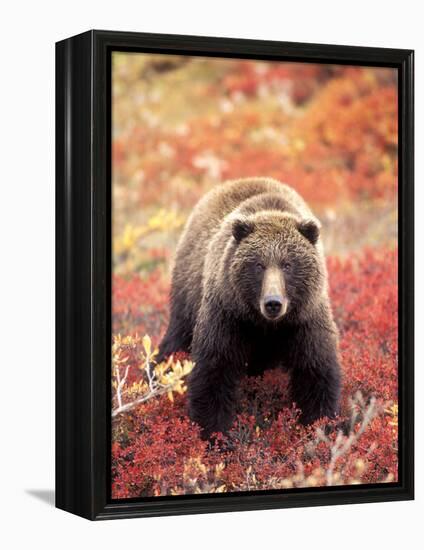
(154,444)
(157,450)
(300,80)
(140,306)
(365,302)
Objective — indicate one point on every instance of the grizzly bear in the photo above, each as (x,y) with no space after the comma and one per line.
(249,292)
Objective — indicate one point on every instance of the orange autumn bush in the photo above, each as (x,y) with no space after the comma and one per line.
(342,146)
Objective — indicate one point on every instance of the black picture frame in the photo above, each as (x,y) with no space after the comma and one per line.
(83,273)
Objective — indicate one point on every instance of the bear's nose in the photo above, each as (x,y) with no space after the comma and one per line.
(273,305)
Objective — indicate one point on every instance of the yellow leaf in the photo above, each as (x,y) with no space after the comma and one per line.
(179,388)
(219,467)
(147,344)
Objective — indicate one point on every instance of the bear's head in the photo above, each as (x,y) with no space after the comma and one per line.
(276,267)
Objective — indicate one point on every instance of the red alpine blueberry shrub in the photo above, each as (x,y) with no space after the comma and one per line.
(157,450)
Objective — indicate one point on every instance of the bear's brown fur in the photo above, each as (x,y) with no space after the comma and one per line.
(249,292)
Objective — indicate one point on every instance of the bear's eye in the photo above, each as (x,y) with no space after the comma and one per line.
(259,267)
(286,264)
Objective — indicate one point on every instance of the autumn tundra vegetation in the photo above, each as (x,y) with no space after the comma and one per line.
(182,125)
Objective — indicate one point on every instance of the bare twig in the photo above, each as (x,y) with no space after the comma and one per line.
(157,379)
(121,382)
(142,399)
(342,445)
(148,369)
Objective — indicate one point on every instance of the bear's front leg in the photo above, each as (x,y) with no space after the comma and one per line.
(220,362)
(211,396)
(315,370)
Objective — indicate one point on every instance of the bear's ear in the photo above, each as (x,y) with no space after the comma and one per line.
(309,229)
(242,228)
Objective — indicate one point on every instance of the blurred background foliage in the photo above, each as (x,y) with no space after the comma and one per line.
(184,124)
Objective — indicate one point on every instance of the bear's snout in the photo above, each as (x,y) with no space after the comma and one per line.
(273,305)
(273,302)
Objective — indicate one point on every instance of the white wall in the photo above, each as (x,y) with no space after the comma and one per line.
(28,32)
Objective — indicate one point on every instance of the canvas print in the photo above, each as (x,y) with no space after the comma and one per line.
(254,275)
